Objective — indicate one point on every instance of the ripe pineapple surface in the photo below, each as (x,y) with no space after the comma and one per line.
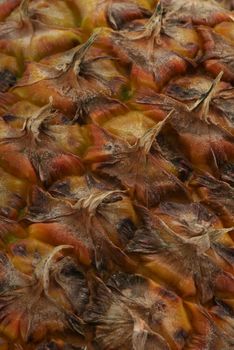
(116,175)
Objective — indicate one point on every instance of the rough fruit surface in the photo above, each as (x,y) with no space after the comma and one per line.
(116,175)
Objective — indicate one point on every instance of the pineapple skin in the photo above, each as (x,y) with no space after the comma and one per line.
(116,175)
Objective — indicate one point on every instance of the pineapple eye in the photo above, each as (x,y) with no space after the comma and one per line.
(109,147)
(112,148)
(158,309)
(20,250)
(7,79)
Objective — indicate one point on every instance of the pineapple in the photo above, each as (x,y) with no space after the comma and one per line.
(116,175)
